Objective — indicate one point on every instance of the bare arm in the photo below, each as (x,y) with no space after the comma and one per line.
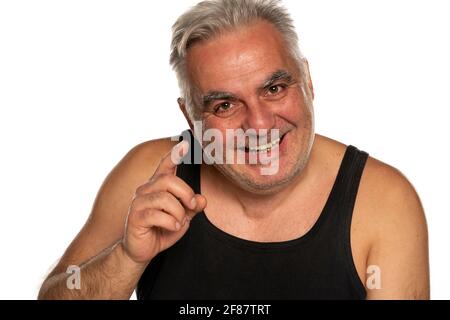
(106,271)
(400,247)
(110,275)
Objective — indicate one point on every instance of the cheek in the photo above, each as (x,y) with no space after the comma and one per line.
(221,124)
(212,123)
(294,110)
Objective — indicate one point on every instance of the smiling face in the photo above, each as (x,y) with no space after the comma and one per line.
(245,79)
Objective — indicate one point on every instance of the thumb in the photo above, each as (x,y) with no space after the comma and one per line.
(201,204)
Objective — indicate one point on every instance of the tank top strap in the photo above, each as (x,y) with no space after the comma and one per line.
(348,180)
(189,169)
(342,203)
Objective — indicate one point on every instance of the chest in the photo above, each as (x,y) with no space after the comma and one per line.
(292,220)
(210,264)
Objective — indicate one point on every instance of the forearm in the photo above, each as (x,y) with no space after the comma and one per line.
(110,275)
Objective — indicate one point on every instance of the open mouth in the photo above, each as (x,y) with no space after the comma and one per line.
(264,148)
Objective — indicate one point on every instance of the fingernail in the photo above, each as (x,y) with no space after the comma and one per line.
(177,226)
(178,149)
(181,145)
(193,203)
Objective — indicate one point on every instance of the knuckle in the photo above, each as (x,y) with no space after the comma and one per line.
(156,197)
(165,197)
(141,190)
(147,215)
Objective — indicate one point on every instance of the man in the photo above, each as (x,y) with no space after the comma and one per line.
(329,223)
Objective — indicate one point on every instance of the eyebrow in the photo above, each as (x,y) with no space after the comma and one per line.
(277,76)
(270,81)
(217,95)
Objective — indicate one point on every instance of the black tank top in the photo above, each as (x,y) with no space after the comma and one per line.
(209,264)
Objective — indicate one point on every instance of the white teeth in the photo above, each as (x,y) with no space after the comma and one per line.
(265,147)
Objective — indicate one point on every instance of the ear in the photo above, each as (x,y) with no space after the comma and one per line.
(182,105)
(308,76)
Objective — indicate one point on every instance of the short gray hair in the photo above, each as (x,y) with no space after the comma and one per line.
(212,17)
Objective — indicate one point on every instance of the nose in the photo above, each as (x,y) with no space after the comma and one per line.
(259,116)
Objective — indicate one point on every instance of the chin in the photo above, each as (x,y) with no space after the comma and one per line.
(251,181)
(292,161)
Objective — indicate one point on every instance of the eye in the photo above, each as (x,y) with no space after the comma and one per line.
(223,107)
(275,90)
(227,109)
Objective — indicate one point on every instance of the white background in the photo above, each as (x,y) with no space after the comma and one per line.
(82,82)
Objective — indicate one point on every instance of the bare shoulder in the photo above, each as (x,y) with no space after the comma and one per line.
(388,231)
(389,196)
(106,222)
(141,161)
(136,168)
(390,218)
(384,195)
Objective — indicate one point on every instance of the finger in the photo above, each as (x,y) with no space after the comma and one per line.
(172,159)
(201,204)
(173,184)
(163,201)
(152,218)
